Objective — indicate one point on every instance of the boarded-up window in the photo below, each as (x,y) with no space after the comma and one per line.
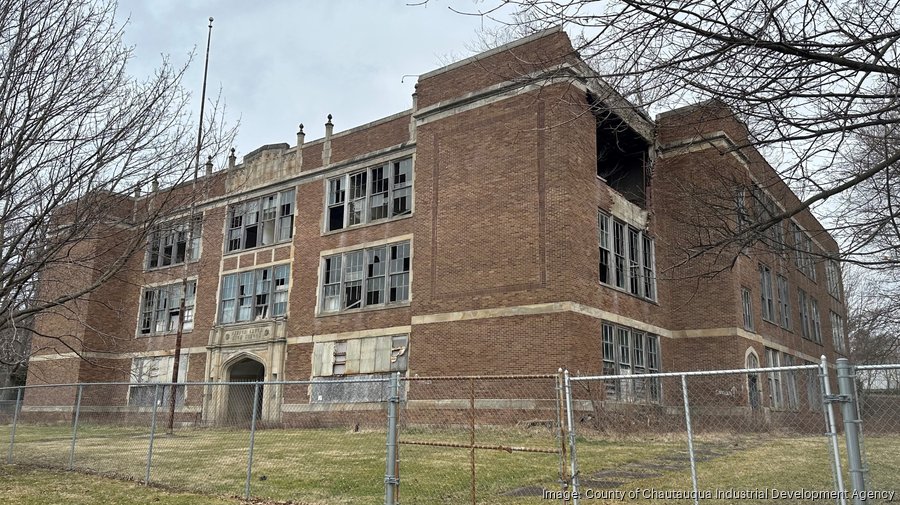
(357,370)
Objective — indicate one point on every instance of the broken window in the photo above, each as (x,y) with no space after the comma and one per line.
(630,352)
(147,373)
(161,306)
(804,252)
(357,370)
(261,222)
(767,301)
(627,258)
(784,302)
(622,159)
(765,209)
(747,309)
(254,295)
(174,243)
(369,195)
(803,302)
(366,277)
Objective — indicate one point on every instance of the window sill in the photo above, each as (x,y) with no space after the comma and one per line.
(397,305)
(251,322)
(629,293)
(157,269)
(162,334)
(257,248)
(366,225)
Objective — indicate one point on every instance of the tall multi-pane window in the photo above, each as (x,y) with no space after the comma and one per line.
(627,351)
(161,307)
(375,276)
(765,293)
(784,302)
(619,251)
(833,278)
(816,321)
(803,251)
(805,320)
(254,294)
(260,222)
(837,331)
(773,359)
(627,257)
(792,399)
(374,194)
(174,242)
(605,248)
(747,309)
(765,209)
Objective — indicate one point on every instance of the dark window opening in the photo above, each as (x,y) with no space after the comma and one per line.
(621,154)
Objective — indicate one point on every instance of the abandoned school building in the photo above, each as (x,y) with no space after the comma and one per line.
(520,217)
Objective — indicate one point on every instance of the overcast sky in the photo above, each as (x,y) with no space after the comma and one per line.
(280,63)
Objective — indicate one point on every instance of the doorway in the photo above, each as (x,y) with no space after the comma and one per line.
(240,397)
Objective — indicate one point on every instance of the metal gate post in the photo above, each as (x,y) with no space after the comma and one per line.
(570,425)
(75,428)
(391,482)
(690,435)
(252,438)
(152,434)
(832,432)
(851,427)
(12,433)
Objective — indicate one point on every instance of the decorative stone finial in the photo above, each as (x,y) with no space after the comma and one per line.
(209,165)
(231,159)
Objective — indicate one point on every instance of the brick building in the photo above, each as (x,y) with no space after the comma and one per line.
(520,217)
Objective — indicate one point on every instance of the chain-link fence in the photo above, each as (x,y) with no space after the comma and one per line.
(481,439)
(273,440)
(878,399)
(791,433)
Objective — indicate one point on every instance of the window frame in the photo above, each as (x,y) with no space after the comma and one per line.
(783,292)
(277,281)
(150,312)
(803,249)
(837,332)
(774,379)
(138,381)
(622,355)
(335,274)
(282,203)
(747,309)
(833,279)
(627,257)
(342,186)
(157,243)
(766,295)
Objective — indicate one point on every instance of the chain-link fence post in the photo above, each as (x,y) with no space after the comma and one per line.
(391,482)
(560,434)
(570,426)
(828,402)
(690,437)
(75,427)
(846,388)
(12,433)
(252,438)
(152,434)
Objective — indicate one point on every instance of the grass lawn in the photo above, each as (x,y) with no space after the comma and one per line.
(33,486)
(339,466)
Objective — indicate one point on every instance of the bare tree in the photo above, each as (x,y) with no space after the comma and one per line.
(873,324)
(79,136)
(810,78)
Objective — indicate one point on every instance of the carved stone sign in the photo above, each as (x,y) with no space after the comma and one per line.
(244,335)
